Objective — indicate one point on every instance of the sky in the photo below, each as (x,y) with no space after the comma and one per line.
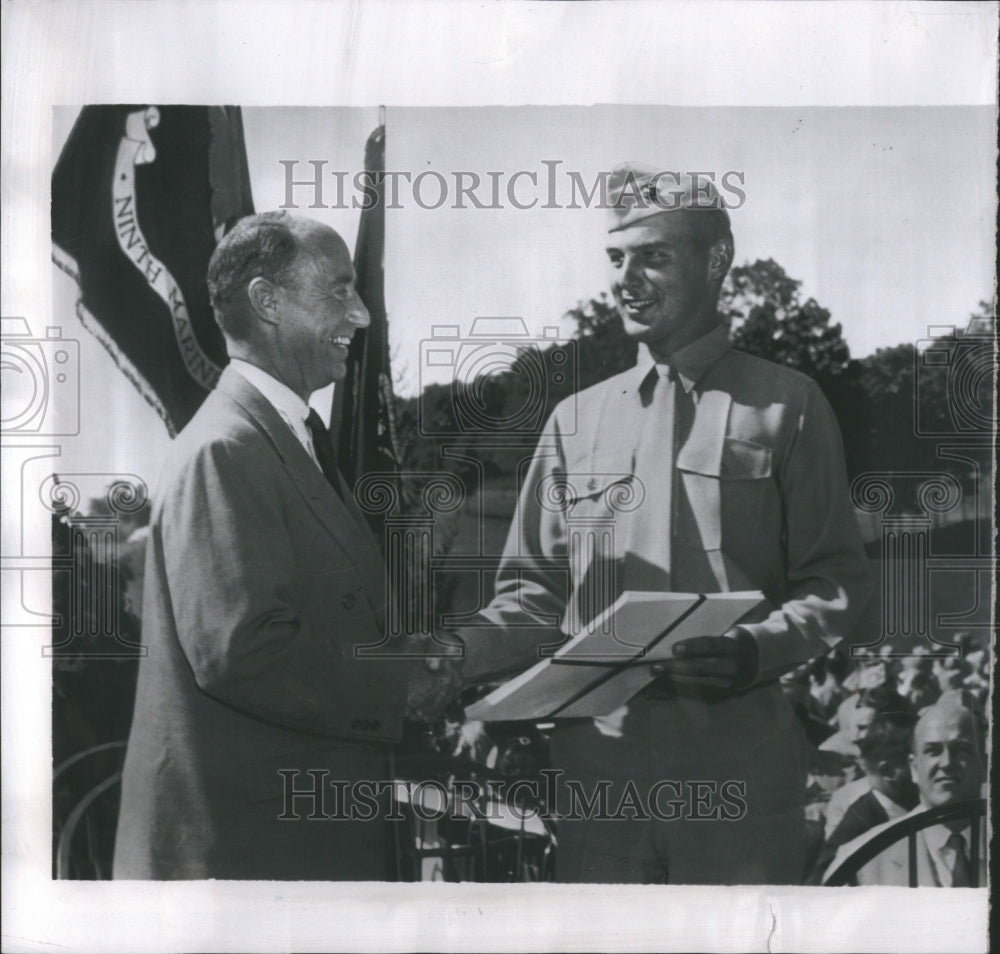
(884,214)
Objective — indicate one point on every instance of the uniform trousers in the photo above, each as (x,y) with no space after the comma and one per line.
(695,790)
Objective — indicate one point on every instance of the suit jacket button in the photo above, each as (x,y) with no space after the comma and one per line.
(657,669)
(348,601)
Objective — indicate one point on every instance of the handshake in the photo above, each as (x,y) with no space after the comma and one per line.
(722,662)
(435,677)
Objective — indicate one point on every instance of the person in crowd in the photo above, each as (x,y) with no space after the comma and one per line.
(795,687)
(870,706)
(912,667)
(890,793)
(825,689)
(741,465)
(977,681)
(947,764)
(828,773)
(852,721)
(263,582)
(924,691)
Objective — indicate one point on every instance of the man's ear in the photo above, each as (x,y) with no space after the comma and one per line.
(263,300)
(720,257)
(888,769)
(913,770)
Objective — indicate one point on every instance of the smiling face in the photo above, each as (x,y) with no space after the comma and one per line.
(317,313)
(665,281)
(946,763)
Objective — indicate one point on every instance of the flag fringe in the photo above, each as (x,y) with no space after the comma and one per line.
(67,264)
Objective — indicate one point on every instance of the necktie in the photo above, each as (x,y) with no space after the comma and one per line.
(683,411)
(668,421)
(961,873)
(323,446)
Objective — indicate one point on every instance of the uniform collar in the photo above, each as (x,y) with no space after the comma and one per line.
(691,361)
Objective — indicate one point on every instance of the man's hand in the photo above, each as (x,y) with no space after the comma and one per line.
(724,662)
(434,681)
(471,739)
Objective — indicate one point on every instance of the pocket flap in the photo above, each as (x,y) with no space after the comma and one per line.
(591,476)
(744,460)
(737,459)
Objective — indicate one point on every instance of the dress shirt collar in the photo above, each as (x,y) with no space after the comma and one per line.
(285,401)
(290,407)
(942,854)
(937,836)
(691,361)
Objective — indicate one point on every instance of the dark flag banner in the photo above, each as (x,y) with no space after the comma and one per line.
(363,411)
(140,196)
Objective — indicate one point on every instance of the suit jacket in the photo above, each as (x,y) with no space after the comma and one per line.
(843,800)
(260,585)
(765,499)
(863,814)
(891,867)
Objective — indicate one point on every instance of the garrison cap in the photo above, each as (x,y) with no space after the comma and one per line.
(637,191)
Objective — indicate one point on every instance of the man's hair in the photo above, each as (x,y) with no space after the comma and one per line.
(263,246)
(962,699)
(961,703)
(888,705)
(889,739)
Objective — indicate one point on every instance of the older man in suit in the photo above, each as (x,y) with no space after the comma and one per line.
(740,465)
(256,714)
(947,765)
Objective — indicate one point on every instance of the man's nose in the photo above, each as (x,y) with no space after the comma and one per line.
(357,314)
(631,273)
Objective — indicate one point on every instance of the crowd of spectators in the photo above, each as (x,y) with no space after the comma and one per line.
(861,711)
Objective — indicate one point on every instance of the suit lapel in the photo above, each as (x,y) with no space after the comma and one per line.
(927,873)
(341,518)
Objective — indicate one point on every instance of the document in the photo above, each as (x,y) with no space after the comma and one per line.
(614,657)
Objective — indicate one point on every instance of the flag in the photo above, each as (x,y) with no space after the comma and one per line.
(140,197)
(363,405)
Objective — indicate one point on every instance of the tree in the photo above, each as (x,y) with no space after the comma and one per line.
(604,349)
(767,318)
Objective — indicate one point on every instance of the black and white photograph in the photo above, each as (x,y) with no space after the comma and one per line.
(452,509)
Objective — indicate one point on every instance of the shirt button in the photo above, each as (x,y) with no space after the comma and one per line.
(348,601)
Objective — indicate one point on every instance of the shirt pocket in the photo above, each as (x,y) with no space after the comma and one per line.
(725,487)
(744,460)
